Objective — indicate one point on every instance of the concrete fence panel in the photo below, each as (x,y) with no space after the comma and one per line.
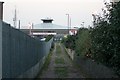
(20,54)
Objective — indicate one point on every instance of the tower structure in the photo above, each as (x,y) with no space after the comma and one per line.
(1,10)
(15,19)
(47,20)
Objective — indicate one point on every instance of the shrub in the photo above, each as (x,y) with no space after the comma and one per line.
(106,38)
(69,42)
(48,37)
(83,42)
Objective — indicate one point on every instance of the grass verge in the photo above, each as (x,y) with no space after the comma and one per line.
(47,61)
(58,50)
(65,49)
(86,75)
(46,64)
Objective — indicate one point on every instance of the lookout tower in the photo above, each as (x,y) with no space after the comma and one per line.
(47,20)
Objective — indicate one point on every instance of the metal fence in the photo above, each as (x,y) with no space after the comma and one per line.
(20,52)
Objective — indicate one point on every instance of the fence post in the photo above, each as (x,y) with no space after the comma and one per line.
(0,49)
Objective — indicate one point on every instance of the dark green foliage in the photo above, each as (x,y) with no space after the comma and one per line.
(102,42)
(106,39)
(69,42)
(49,37)
(46,64)
(115,34)
(52,46)
(83,42)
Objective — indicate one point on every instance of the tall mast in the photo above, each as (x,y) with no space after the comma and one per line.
(19,24)
(15,19)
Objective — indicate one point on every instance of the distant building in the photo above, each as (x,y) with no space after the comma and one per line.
(48,28)
(73,32)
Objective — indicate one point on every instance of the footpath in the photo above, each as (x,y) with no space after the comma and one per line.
(60,66)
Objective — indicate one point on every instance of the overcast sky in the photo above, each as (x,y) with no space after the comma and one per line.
(33,10)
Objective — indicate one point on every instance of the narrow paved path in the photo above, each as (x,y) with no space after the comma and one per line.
(60,65)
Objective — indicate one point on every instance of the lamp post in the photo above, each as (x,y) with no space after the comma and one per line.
(19,24)
(68,21)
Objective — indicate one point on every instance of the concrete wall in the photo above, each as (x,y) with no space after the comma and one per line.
(21,54)
(70,53)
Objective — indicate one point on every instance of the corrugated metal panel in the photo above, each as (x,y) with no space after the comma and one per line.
(20,51)
(6,45)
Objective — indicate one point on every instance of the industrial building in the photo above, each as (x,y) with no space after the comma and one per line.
(48,28)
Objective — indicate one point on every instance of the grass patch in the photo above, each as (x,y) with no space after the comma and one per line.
(65,49)
(61,72)
(86,75)
(58,50)
(45,65)
(47,61)
(59,61)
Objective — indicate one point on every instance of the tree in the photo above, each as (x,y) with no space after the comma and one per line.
(69,42)
(106,37)
(83,42)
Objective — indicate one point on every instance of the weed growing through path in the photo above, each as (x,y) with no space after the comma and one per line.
(61,72)
(45,65)
(59,61)
(58,50)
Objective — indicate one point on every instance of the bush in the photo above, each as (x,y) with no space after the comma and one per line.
(83,42)
(106,39)
(48,37)
(69,42)
(102,42)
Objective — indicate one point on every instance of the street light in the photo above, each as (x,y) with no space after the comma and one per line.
(68,22)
